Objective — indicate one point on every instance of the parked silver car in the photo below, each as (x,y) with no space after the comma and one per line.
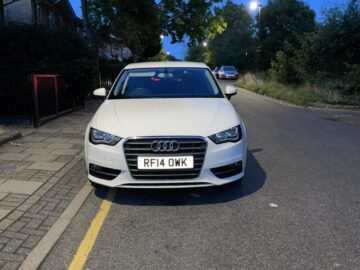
(227,72)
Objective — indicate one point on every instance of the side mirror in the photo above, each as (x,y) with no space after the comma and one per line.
(100,92)
(230,91)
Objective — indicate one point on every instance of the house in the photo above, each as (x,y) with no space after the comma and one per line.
(53,13)
(114,50)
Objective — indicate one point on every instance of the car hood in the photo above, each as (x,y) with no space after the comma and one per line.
(165,117)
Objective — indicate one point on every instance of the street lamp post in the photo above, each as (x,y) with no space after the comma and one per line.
(253,6)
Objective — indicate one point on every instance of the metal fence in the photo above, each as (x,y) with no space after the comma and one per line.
(51,97)
(36,98)
(107,78)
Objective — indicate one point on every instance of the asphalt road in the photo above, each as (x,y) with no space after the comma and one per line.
(306,162)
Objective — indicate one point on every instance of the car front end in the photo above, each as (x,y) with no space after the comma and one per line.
(228,73)
(213,164)
(165,142)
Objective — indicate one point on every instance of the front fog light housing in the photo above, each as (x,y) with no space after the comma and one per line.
(100,137)
(230,135)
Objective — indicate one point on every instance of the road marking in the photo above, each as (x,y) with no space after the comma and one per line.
(92,233)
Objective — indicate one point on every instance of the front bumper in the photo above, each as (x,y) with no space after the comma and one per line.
(113,157)
(228,76)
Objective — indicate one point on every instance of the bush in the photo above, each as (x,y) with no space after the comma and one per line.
(285,69)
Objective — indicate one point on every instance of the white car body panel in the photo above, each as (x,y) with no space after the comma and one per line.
(167,117)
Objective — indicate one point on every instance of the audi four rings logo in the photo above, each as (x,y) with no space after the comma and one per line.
(165,146)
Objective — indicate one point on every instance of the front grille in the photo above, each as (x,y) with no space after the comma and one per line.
(192,146)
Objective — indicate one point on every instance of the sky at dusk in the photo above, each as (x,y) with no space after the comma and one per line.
(179,50)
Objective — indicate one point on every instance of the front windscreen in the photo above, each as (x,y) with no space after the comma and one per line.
(229,68)
(165,83)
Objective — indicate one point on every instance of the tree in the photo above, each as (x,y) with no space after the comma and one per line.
(162,56)
(336,43)
(86,25)
(138,24)
(194,19)
(283,23)
(196,53)
(236,44)
(132,23)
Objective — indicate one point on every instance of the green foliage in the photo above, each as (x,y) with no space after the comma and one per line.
(198,53)
(234,46)
(135,24)
(336,43)
(279,67)
(285,69)
(162,56)
(193,19)
(282,25)
(29,49)
(329,54)
(138,24)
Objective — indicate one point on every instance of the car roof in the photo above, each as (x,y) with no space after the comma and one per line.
(166,64)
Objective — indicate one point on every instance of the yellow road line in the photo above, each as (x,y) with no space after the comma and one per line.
(88,242)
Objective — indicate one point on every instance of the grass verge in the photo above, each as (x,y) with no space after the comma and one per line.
(304,95)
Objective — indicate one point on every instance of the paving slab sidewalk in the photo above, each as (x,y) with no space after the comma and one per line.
(40,174)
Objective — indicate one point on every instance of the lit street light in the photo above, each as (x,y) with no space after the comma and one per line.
(254,5)
(167,53)
(205,44)
(161,36)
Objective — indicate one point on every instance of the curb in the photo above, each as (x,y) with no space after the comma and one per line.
(9,136)
(42,249)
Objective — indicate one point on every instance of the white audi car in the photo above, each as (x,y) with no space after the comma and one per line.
(165,125)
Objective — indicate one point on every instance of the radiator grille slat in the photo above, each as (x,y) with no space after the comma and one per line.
(191,146)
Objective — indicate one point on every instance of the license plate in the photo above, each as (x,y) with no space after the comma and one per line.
(158,163)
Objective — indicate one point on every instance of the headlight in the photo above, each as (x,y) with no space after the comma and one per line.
(101,137)
(230,135)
